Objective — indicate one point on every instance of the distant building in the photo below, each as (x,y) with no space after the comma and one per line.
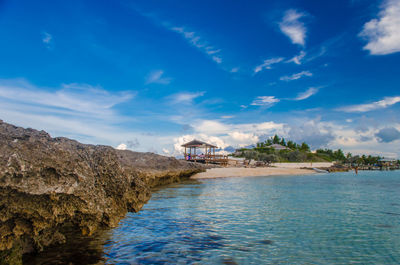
(279,147)
(387,161)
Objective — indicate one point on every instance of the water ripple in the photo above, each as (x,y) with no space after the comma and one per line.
(319,219)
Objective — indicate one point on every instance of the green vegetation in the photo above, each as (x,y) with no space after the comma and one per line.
(294,152)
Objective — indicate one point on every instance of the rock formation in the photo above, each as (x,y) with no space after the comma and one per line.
(48,184)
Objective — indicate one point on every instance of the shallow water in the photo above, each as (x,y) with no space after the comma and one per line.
(339,218)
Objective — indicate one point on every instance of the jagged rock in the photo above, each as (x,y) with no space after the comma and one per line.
(47,184)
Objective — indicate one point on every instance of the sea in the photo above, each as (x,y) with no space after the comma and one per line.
(336,218)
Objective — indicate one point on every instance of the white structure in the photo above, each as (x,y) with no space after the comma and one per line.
(279,147)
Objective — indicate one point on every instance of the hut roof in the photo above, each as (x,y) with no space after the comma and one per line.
(197,143)
(279,147)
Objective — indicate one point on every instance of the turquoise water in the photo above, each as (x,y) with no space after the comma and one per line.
(339,218)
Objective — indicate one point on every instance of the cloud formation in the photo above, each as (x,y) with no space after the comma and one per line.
(266,101)
(235,70)
(383,33)
(381,104)
(79,111)
(267,64)
(306,94)
(297,58)
(194,39)
(47,39)
(296,76)
(292,27)
(186,97)
(155,77)
(69,98)
(227,135)
(388,135)
(121,147)
(315,133)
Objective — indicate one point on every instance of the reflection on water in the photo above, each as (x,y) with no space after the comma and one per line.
(318,219)
(79,250)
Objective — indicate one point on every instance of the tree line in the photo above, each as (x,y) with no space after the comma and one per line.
(300,153)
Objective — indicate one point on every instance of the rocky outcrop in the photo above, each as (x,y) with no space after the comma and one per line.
(48,184)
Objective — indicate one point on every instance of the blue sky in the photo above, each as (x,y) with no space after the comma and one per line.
(150,75)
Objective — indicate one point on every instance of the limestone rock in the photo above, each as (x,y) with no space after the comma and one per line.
(47,184)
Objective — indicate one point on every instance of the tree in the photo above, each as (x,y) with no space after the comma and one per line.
(304,147)
(268,158)
(283,142)
(291,144)
(250,154)
(296,156)
(276,139)
(339,155)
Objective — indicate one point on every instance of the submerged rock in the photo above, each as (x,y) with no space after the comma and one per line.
(47,184)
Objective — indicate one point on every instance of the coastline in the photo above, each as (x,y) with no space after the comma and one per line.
(277,169)
(54,187)
(250,172)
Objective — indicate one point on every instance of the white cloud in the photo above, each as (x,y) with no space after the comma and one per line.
(235,70)
(306,94)
(47,39)
(265,101)
(267,64)
(211,127)
(215,127)
(292,27)
(381,104)
(121,147)
(227,134)
(217,59)
(185,97)
(165,151)
(298,58)
(194,39)
(210,50)
(77,111)
(227,117)
(383,33)
(156,78)
(296,76)
(76,98)
(314,132)
(244,137)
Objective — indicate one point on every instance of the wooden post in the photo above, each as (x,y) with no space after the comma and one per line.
(213,153)
(205,155)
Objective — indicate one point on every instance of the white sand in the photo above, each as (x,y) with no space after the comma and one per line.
(300,165)
(250,172)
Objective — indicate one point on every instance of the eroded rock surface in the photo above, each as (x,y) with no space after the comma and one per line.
(48,184)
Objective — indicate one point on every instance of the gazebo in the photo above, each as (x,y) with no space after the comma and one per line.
(193,152)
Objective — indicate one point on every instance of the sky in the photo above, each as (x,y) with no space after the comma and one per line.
(151,75)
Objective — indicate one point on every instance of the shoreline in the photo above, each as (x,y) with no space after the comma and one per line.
(251,172)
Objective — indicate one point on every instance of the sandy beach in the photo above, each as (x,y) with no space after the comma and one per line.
(250,172)
(277,169)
